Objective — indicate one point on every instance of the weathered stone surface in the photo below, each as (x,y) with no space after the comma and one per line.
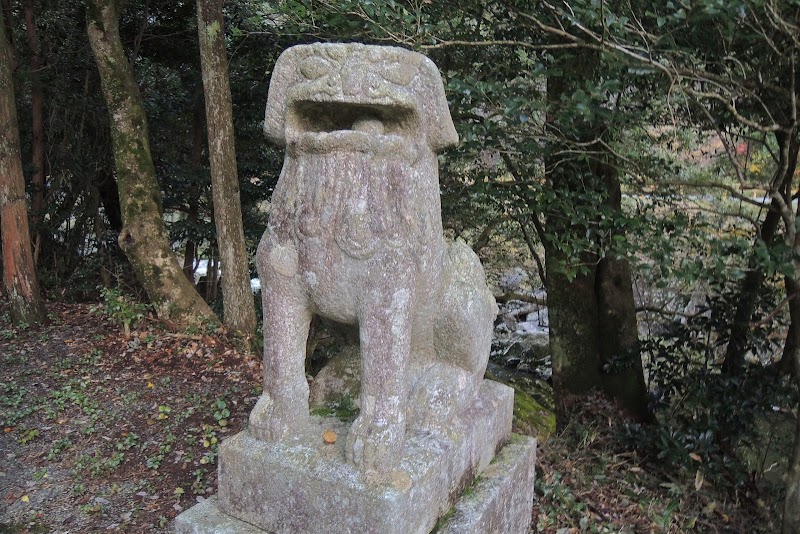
(355,235)
(340,378)
(500,501)
(302,485)
(207,518)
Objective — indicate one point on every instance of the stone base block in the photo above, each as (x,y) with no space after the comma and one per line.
(498,502)
(304,485)
(206,518)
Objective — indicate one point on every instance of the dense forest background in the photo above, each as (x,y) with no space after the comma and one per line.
(629,167)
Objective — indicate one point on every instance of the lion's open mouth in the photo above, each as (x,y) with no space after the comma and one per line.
(320,116)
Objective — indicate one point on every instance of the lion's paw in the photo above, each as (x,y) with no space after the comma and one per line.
(375,445)
(271,422)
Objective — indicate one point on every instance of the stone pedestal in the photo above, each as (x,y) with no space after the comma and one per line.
(304,485)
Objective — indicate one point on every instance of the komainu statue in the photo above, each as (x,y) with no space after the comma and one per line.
(355,236)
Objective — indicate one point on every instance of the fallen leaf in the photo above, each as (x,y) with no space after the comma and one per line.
(25,498)
(696,457)
(329,437)
(698,480)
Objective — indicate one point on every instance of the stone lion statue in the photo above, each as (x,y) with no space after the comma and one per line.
(355,236)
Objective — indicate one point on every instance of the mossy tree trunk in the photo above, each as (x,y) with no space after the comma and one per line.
(574,328)
(237,296)
(144,236)
(19,272)
(592,316)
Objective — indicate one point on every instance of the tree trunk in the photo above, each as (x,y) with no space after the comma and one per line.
(237,297)
(754,278)
(100,241)
(144,236)
(8,27)
(623,377)
(212,278)
(619,337)
(190,249)
(37,149)
(593,329)
(792,343)
(19,272)
(109,196)
(791,504)
(193,201)
(574,332)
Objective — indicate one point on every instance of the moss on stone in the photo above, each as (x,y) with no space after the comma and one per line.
(530,417)
(343,408)
(443,520)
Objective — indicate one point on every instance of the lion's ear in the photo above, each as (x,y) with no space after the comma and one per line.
(441,132)
(285,75)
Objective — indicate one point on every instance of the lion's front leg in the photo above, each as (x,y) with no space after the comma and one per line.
(376,437)
(283,406)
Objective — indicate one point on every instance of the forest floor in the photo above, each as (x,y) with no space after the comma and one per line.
(103,433)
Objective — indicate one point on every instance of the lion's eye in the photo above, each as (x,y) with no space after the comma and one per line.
(314,67)
(399,73)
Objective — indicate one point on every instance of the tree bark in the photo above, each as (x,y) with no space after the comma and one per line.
(237,297)
(754,278)
(100,242)
(791,503)
(8,26)
(109,196)
(37,113)
(792,343)
(593,329)
(574,331)
(623,378)
(19,272)
(193,200)
(212,278)
(619,337)
(144,236)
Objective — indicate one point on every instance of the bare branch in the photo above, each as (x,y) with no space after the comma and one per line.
(521,44)
(483,238)
(716,185)
(767,320)
(522,297)
(669,313)
(532,249)
(730,105)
